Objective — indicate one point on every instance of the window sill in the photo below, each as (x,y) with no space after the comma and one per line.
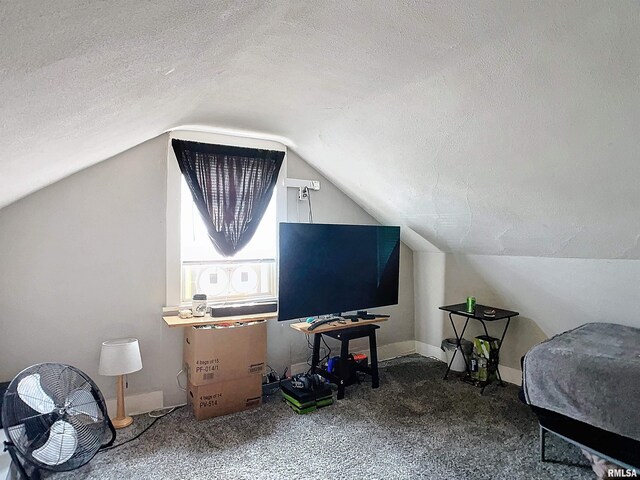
(173,310)
(175,321)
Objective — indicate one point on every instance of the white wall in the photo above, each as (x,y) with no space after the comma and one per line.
(429,274)
(551,294)
(83,260)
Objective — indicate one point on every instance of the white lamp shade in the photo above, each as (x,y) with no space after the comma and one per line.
(120,357)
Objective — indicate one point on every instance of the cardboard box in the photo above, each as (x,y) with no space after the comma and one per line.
(221,354)
(222,398)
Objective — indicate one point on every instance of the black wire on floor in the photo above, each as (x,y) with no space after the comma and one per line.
(143,431)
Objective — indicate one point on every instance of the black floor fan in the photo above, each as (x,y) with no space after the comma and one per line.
(54,418)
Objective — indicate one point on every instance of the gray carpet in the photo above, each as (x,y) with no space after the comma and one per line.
(414,426)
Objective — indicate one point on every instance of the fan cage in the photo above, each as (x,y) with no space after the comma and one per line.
(29,430)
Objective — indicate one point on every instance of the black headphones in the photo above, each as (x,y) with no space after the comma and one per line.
(308,382)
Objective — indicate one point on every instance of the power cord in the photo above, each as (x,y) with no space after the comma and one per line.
(309,201)
(310,347)
(326,356)
(178,380)
(327,350)
(171,410)
(155,417)
(278,378)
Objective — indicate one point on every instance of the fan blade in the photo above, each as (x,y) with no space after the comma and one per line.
(30,392)
(60,446)
(82,402)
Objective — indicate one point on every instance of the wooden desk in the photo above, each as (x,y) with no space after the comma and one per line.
(175,321)
(345,332)
(329,327)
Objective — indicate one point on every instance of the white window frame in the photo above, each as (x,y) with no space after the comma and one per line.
(174,179)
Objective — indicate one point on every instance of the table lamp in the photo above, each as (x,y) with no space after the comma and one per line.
(119,358)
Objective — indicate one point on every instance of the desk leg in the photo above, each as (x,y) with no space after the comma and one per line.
(315,358)
(458,344)
(505,331)
(373,352)
(344,356)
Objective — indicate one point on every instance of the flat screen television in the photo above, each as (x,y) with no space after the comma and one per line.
(327,269)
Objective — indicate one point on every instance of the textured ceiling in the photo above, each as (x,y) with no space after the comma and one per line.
(485,127)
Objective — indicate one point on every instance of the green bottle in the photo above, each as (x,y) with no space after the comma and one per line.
(471,304)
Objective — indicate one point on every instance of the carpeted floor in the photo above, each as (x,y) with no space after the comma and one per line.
(414,426)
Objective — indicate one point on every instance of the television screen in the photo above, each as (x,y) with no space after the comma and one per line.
(327,269)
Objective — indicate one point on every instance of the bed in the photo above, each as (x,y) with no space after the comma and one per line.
(584,386)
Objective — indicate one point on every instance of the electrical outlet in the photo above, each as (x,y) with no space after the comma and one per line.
(303,186)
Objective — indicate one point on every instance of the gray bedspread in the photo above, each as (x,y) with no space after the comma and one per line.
(591,374)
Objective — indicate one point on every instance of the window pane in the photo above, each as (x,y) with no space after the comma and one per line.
(247,276)
(230,281)
(195,242)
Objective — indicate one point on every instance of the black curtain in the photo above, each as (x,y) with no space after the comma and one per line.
(231,186)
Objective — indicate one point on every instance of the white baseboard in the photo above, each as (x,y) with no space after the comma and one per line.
(427,350)
(393,350)
(385,352)
(137,404)
(508,374)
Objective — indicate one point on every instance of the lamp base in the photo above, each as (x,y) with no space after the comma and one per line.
(122,422)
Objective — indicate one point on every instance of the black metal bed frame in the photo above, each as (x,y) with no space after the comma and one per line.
(622,451)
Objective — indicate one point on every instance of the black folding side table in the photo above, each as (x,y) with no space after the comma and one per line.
(460,309)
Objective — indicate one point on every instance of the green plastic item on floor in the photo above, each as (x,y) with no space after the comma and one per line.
(301,411)
(308,407)
(325,402)
(296,403)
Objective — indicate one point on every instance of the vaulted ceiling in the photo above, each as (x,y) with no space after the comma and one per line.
(501,127)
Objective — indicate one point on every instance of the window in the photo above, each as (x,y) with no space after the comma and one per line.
(248,276)
(189,254)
